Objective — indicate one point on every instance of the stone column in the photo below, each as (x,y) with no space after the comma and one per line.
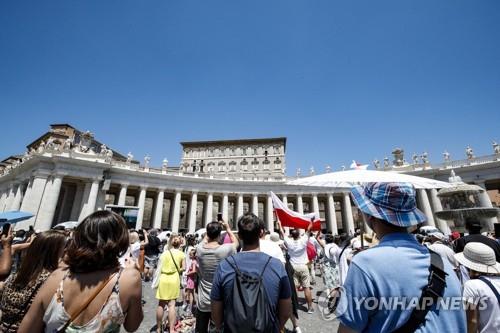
(89,204)
(140,203)
(485,201)
(159,208)
(77,202)
(193,206)
(16,204)
(11,193)
(436,207)
(270,213)
(425,206)
(33,198)
(284,199)
(177,211)
(49,203)
(255,204)
(315,203)
(209,207)
(332,217)
(239,207)
(348,221)
(3,196)
(123,194)
(300,204)
(225,207)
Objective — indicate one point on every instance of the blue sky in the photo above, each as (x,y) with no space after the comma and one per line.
(342,80)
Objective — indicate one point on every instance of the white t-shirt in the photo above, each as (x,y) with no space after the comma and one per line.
(135,250)
(342,261)
(331,250)
(297,250)
(445,252)
(272,249)
(489,317)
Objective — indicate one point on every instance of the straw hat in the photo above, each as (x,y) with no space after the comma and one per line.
(479,257)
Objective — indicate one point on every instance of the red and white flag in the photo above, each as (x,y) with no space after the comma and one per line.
(289,218)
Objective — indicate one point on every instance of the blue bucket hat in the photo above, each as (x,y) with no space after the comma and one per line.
(391,202)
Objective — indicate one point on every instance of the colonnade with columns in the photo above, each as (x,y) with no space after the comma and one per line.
(58,193)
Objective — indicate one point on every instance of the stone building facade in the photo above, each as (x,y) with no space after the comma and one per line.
(66,174)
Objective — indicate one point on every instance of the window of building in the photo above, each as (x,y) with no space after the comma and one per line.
(222,166)
(232,166)
(255,164)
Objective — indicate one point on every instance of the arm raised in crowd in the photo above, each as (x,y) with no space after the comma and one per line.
(232,236)
(6,258)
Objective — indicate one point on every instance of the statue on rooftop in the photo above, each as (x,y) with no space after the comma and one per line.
(414,158)
(425,158)
(496,148)
(469,152)
(130,157)
(311,171)
(67,144)
(376,164)
(164,164)
(386,162)
(298,173)
(147,159)
(328,169)
(446,156)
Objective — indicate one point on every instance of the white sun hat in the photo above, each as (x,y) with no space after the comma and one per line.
(479,257)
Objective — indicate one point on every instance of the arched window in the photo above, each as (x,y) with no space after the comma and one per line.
(232,166)
(255,164)
(244,165)
(222,166)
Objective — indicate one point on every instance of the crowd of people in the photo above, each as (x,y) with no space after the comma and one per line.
(90,279)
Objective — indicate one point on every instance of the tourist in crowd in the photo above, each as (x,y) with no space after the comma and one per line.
(482,292)
(168,283)
(397,267)
(438,243)
(209,253)
(191,272)
(41,259)
(473,226)
(151,253)
(93,294)
(329,264)
(270,246)
(251,262)
(294,317)
(6,257)
(297,249)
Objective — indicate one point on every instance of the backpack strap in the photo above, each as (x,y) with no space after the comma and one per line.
(341,252)
(432,291)
(265,266)
(492,287)
(237,269)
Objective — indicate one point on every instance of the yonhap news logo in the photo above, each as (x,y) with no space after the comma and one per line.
(338,302)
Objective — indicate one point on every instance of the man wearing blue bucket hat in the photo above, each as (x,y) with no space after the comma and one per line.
(397,285)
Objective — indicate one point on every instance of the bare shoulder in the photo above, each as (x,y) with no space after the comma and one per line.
(130,278)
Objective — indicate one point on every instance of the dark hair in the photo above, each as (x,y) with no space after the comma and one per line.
(295,233)
(472,225)
(329,238)
(97,242)
(213,230)
(249,228)
(43,253)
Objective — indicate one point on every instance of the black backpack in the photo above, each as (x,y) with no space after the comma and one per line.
(249,310)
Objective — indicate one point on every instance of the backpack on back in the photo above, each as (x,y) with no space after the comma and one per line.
(249,310)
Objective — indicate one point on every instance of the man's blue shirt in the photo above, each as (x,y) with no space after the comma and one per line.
(397,266)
